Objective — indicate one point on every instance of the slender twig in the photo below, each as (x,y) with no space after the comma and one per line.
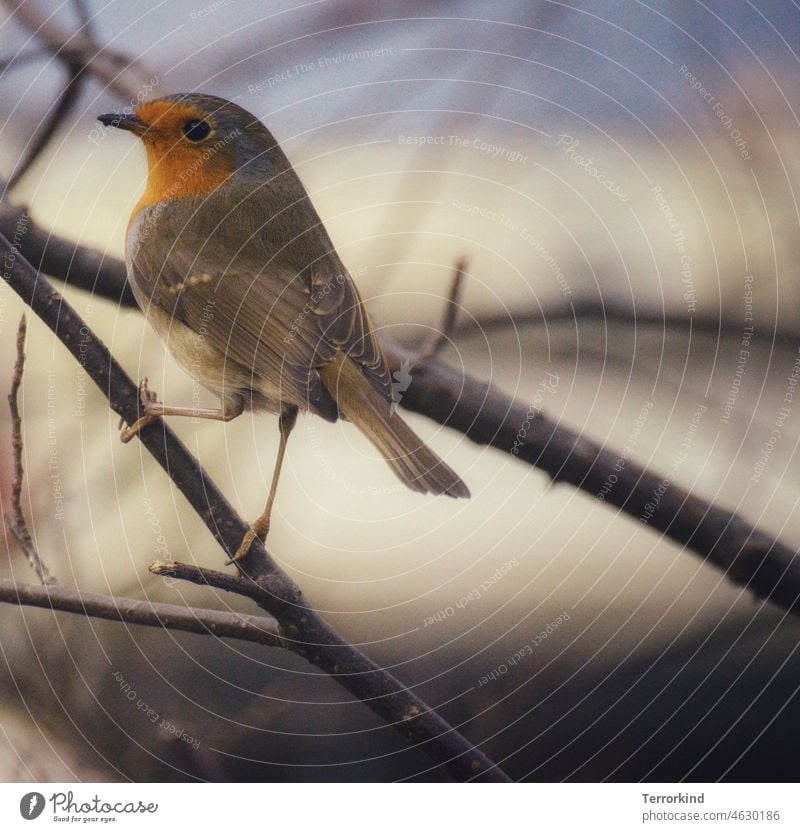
(228,583)
(488,416)
(311,636)
(115,69)
(58,114)
(442,336)
(15,521)
(256,628)
(84,17)
(80,56)
(208,577)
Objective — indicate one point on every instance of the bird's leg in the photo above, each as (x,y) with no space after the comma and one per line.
(260,528)
(154,409)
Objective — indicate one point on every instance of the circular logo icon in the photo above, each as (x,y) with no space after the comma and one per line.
(31,805)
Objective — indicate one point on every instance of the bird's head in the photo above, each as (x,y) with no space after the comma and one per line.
(196,143)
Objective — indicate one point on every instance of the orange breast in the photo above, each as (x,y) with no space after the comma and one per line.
(176,167)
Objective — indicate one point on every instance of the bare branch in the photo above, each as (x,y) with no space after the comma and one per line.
(81,56)
(237,584)
(208,577)
(612,311)
(16,520)
(255,628)
(748,556)
(115,69)
(488,416)
(311,636)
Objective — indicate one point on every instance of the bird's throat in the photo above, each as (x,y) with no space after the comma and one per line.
(177,171)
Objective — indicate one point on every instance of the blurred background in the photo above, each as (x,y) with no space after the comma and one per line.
(639,158)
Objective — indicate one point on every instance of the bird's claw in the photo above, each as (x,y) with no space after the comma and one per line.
(244,547)
(148,399)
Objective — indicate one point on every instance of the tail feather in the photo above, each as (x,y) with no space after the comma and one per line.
(410,459)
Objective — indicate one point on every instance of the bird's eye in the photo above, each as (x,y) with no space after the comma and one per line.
(196,130)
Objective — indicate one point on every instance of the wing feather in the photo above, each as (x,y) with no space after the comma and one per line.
(280,323)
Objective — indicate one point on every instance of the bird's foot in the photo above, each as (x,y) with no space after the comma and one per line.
(247,541)
(152,411)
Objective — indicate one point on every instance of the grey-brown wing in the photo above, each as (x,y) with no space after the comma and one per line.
(279,325)
(343,321)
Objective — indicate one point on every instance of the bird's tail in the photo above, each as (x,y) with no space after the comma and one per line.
(413,462)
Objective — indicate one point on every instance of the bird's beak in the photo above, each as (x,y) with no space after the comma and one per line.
(123,121)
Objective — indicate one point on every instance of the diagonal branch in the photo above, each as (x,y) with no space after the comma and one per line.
(81,56)
(84,17)
(612,311)
(76,265)
(57,115)
(750,557)
(307,633)
(116,70)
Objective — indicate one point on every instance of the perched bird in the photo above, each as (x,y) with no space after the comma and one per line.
(233,267)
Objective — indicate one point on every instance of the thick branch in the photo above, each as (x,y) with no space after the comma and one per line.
(613,312)
(488,416)
(311,636)
(259,629)
(76,265)
(747,555)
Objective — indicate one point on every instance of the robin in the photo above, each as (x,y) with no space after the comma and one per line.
(231,264)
